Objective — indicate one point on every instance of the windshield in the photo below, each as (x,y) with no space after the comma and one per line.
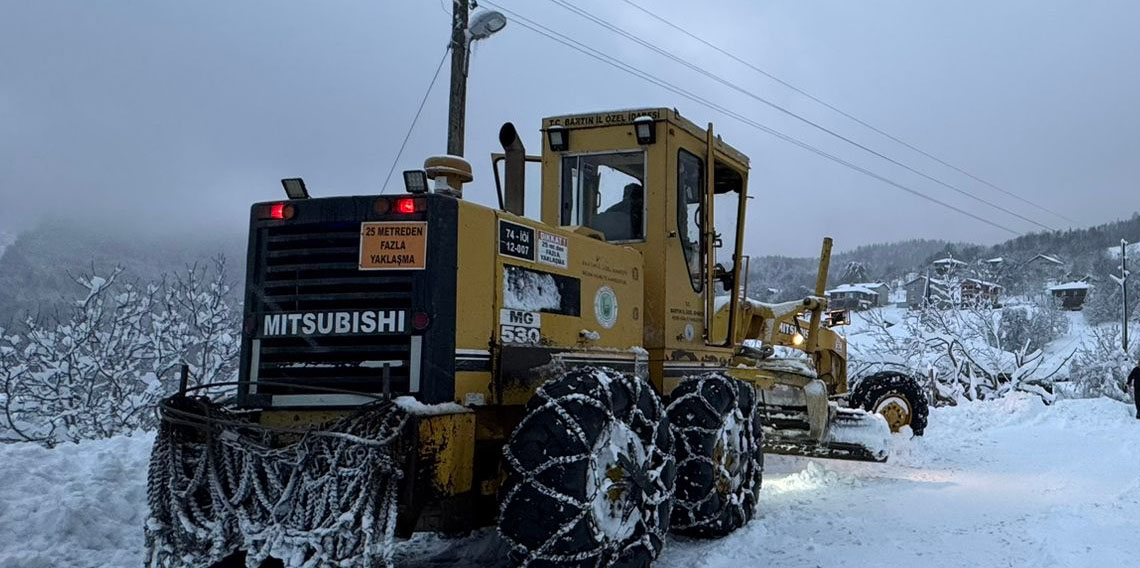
(605,192)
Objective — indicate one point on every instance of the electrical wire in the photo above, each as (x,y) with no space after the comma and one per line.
(785,111)
(614,62)
(415,119)
(846,114)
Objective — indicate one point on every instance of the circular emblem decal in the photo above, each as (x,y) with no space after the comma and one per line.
(689,332)
(606,307)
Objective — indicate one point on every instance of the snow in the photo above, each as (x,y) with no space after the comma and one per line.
(858,288)
(530,291)
(6,240)
(412,406)
(1133,250)
(983,283)
(76,505)
(1008,482)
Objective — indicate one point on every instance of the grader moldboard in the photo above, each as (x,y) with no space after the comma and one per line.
(589,381)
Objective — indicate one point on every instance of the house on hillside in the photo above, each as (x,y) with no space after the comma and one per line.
(948,266)
(928,291)
(1070,295)
(974,292)
(942,293)
(1043,267)
(859,296)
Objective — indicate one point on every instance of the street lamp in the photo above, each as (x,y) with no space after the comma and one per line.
(485,24)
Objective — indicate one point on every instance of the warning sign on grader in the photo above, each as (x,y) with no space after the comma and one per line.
(393,245)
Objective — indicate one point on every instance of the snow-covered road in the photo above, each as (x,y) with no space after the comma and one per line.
(1003,483)
(1006,483)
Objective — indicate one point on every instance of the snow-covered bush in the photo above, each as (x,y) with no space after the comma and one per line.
(96,369)
(1101,367)
(968,353)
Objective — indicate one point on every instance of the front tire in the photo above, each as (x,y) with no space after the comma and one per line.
(895,396)
(720,455)
(589,474)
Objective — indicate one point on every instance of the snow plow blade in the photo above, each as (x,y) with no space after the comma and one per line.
(851,434)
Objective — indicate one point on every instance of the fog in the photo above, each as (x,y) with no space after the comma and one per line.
(172,117)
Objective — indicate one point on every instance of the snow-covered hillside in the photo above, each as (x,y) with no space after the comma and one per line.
(6,239)
(1009,482)
(1133,250)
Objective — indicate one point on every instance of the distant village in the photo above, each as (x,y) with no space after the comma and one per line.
(949,282)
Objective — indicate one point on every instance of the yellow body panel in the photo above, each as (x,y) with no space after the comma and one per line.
(446,448)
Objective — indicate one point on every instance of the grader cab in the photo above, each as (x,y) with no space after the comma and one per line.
(589,380)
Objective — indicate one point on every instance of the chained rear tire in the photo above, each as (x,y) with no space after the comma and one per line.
(589,474)
(720,455)
(896,396)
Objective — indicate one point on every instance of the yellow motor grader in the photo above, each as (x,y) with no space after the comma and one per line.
(587,381)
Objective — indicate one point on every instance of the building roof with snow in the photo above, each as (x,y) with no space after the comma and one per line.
(856,288)
(948,261)
(1069,286)
(934,281)
(1046,258)
(996,260)
(984,284)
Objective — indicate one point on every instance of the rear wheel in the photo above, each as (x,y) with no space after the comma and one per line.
(589,474)
(895,396)
(720,455)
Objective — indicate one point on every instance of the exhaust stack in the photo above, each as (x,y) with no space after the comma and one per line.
(514,170)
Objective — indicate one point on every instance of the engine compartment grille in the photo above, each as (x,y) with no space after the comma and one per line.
(313,267)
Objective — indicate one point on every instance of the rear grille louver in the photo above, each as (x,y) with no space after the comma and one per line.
(313,267)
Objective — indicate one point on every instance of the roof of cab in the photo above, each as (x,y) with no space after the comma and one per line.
(619,117)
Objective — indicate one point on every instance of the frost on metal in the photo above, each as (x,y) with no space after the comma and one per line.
(218,483)
(530,291)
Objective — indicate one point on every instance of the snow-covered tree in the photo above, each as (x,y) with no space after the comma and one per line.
(1101,367)
(855,271)
(96,368)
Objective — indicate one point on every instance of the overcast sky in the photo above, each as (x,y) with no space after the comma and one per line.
(174,116)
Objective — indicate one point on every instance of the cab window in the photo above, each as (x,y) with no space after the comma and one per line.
(691,191)
(605,192)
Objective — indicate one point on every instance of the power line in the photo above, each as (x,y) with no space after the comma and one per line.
(750,94)
(614,62)
(404,144)
(845,113)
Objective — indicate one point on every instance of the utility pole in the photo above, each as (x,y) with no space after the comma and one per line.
(457,106)
(1124,291)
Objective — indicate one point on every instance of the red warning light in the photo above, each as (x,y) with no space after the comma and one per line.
(420,321)
(275,211)
(406,205)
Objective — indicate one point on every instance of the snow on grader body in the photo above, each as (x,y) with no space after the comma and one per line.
(589,381)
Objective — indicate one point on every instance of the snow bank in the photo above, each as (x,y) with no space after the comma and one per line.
(1006,482)
(76,505)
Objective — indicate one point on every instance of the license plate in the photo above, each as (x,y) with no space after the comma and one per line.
(393,245)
